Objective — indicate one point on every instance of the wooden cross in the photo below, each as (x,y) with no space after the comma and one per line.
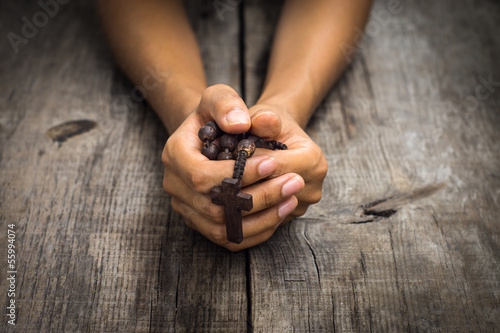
(234,202)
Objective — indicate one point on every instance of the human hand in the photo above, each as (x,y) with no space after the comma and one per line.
(303,156)
(189,176)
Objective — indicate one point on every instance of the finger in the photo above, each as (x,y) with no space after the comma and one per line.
(201,203)
(273,191)
(265,195)
(258,238)
(312,193)
(302,160)
(201,174)
(266,124)
(252,225)
(300,210)
(226,107)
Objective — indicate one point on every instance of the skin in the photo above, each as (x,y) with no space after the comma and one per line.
(155,45)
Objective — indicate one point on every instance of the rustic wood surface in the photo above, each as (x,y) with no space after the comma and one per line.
(406,238)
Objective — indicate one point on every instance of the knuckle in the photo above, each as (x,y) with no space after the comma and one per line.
(220,86)
(208,92)
(316,196)
(169,147)
(208,209)
(322,167)
(299,211)
(267,199)
(214,90)
(218,235)
(223,102)
(198,180)
(215,213)
(165,158)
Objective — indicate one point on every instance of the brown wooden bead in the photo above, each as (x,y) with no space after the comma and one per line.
(246,145)
(228,141)
(211,151)
(242,136)
(207,133)
(259,142)
(213,124)
(225,155)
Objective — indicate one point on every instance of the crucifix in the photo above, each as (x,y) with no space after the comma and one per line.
(239,147)
(234,202)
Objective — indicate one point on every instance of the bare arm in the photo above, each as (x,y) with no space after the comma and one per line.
(155,35)
(307,58)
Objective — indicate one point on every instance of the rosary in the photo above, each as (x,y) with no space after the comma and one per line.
(232,147)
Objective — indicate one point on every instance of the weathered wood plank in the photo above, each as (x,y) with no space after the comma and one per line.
(392,125)
(203,287)
(99,248)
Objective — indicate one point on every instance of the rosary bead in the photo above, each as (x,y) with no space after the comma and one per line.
(280,145)
(246,145)
(259,142)
(276,145)
(213,124)
(225,155)
(228,141)
(242,136)
(211,151)
(253,138)
(207,133)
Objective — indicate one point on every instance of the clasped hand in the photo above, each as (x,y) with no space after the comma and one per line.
(292,179)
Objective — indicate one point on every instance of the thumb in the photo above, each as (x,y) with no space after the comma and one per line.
(266,123)
(226,107)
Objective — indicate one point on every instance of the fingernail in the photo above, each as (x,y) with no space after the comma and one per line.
(237,116)
(291,187)
(267,167)
(286,208)
(261,113)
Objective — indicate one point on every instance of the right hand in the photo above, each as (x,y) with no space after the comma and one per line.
(189,175)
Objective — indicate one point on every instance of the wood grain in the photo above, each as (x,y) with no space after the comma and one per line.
(393,131)
(100,250)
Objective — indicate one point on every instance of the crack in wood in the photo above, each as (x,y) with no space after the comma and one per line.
(363,221)
(314,256)
(383,213)
(333,311)
(248,275)
(389,206)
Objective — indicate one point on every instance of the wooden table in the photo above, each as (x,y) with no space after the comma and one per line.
(413,124)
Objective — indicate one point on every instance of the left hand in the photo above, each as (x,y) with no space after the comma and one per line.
(303,156)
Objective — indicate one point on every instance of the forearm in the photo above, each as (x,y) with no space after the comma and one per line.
(155,36)
(307,57)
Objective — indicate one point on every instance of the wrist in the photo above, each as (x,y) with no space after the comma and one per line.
(177,104)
